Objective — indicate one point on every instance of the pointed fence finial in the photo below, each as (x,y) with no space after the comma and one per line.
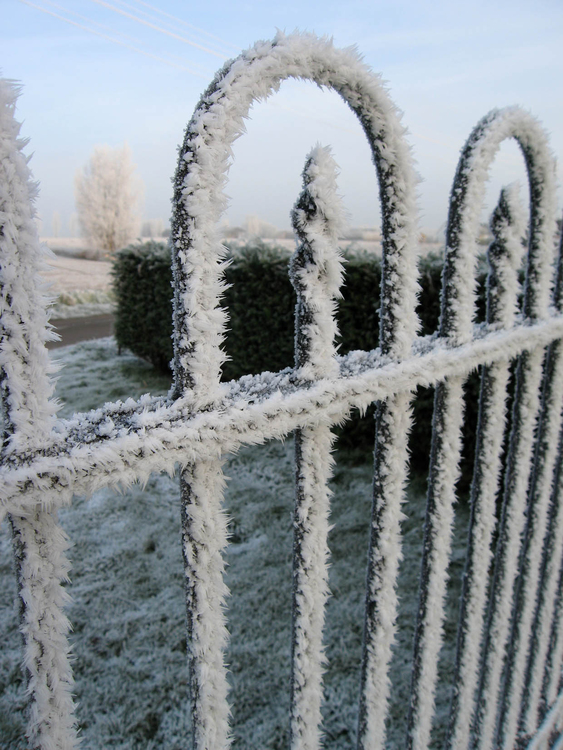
(505,256)
(316,266)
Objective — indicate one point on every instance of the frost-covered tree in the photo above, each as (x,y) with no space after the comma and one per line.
(107,194)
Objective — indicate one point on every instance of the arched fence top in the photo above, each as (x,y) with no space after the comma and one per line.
(199,199)
(466,201)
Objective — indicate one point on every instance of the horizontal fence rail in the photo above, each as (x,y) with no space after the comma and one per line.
(506,688)
(154,433)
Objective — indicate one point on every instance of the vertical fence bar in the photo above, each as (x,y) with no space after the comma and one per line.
(548,459)
(444,473)
(199,330)
(204,536)
(28,412)
(537,513)
(554,664)
(504,256)
(392,428)
(199,325)
(547,622)
(316,274)
(457,309)
(41,568)
(398,325)
(554,657)
(518,470)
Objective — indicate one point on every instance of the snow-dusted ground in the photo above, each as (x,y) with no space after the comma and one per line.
(127,605)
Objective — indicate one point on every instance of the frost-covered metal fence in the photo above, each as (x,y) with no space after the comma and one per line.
(507,689)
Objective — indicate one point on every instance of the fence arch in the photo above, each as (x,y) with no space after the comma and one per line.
(202,168)
(497,701)
(456,322)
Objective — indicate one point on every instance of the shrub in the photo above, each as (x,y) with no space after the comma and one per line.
(143,320)
(261,303)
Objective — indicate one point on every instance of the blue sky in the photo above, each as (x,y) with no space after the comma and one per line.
(446,64)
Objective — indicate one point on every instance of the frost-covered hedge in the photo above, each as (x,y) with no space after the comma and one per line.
(261,305)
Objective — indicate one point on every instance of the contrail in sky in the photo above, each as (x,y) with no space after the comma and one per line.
(176,20)
(206,77)
(113,30)
(158,28)
(111,39)
(91,21)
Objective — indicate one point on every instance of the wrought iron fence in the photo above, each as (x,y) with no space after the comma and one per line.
(507,686)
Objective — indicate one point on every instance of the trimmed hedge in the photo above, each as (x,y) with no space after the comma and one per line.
(142,284)
(261,304)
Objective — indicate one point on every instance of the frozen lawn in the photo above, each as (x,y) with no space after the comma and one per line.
(128,609)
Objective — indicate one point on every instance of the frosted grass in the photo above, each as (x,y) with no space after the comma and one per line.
(128,610)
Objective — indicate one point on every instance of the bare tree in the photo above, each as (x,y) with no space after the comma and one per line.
(107,194)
